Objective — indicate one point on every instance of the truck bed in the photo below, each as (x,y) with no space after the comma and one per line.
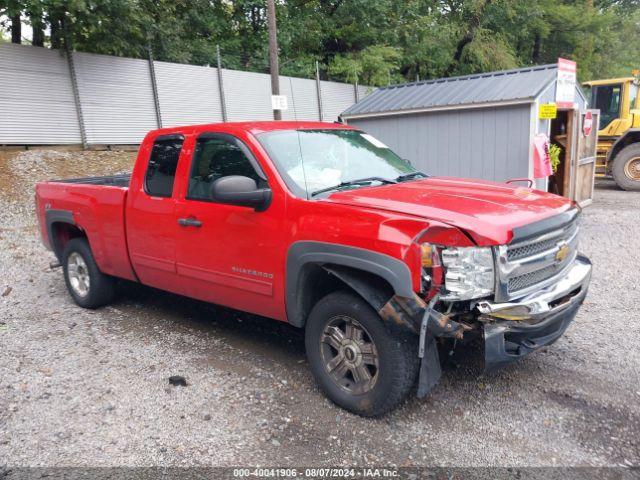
(119,180)
(96,206)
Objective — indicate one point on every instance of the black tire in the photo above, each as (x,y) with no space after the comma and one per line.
(627,162)
(100,289)
(397,354)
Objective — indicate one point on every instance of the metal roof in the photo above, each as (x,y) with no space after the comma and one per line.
(520,85)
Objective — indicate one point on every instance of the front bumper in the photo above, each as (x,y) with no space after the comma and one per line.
(515,329)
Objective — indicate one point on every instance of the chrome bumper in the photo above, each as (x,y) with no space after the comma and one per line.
(567,291)
(513,330)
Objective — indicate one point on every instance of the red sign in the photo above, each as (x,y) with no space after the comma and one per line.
(587,124)
(566,83)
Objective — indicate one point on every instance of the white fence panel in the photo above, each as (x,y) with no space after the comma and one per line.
(336,98)
(302,98)
(117,98)
(363,92)
(37,103)
(188,94)
(248,95)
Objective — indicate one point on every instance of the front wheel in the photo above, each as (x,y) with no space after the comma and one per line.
(88,286)
(626,167)
(358,362)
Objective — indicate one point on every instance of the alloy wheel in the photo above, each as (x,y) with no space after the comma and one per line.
(78,274)
(349,355)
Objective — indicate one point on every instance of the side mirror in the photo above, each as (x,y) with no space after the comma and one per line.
(241,191)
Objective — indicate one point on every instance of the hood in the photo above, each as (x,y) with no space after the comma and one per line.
(487,211)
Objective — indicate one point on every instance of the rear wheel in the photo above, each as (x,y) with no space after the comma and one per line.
(87,285)
(626,167)
(358,362)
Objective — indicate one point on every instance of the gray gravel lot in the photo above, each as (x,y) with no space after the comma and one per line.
(90,388)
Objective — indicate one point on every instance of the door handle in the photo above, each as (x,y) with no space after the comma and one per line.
(189,222)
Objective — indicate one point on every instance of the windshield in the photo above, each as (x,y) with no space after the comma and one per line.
(314,160)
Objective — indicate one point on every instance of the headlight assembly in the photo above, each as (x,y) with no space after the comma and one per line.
(468,271)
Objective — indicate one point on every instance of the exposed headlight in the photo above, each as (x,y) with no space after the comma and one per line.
(469,273)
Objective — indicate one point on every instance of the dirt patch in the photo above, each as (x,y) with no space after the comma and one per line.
(20,170)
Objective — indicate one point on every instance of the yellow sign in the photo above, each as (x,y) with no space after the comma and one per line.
(548,111)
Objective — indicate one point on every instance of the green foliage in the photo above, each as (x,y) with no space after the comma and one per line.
(374,65)
(554,156)
(375,41)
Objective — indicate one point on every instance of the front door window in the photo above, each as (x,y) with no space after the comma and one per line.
(215,157)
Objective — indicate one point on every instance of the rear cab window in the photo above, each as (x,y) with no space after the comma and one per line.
(163,162)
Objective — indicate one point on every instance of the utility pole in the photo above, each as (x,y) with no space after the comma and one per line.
(273,54)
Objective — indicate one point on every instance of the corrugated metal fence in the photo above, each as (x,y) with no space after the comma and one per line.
(49,99)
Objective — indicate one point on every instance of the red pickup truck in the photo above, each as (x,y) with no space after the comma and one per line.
(323,226)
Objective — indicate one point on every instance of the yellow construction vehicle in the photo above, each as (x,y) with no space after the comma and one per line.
(618,151)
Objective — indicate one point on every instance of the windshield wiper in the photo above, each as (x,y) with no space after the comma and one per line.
(411,175)
(350,183)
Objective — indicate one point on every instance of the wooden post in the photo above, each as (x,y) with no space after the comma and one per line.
(273,54)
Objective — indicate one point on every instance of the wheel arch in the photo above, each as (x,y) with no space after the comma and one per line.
(314,269)
(61,227)
(631,136)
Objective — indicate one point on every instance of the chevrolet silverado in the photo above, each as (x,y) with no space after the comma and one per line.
(323,226)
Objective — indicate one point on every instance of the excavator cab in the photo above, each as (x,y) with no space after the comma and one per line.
(618,152)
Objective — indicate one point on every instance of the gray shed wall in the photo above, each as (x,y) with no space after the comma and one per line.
(487,143)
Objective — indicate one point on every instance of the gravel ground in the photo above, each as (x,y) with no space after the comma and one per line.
(90,388)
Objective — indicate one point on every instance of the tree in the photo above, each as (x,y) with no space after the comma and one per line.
(12,11)
(377,41)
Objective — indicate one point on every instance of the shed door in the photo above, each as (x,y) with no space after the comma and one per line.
(584,159)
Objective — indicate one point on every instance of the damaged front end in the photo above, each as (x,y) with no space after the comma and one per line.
(422,318)
(509,330)
(515,329)
(513,298)
(516,298)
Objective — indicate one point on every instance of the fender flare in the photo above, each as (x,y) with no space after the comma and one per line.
(339,260)
(57,216)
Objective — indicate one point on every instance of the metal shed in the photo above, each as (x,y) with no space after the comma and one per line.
(478,126)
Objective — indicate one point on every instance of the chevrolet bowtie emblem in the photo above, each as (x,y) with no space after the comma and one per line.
(562,253)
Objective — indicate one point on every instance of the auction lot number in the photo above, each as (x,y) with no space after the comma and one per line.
(314,472)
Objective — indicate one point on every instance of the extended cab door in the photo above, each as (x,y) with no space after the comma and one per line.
(226,254)
(150,213)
